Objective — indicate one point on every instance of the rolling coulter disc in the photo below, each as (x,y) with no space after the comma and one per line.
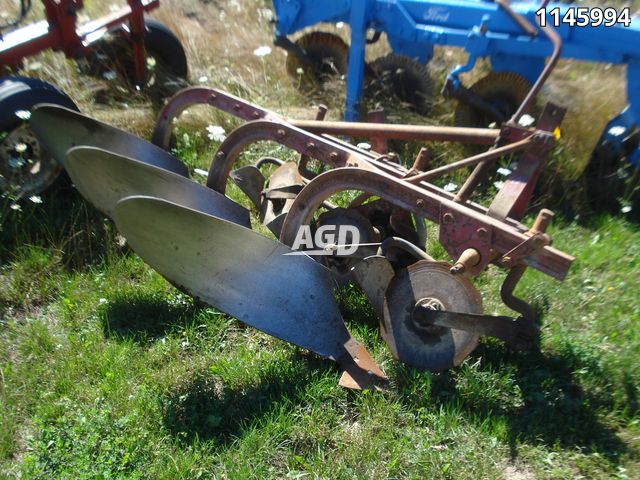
(504,91)
(428,347)
(403,78)
(328,54)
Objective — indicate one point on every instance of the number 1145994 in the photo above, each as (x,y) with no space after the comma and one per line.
(584,16)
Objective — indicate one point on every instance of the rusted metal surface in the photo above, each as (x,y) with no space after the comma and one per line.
(488,156)
(465,227)
(429,347)
(203,96)
(480,136)
(517,333)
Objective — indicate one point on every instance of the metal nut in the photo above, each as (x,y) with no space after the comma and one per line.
(448,219)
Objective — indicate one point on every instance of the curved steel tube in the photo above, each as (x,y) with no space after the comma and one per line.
(303,142)
(204,96)
(419,202)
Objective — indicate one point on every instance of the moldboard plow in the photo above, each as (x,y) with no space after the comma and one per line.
(430,313)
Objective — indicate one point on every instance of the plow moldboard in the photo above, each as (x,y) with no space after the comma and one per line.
(238,271)
(104,178)
(60,129)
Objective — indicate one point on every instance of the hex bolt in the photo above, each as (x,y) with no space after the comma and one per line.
(281,133)
(212,98)
(220,155)
(448,219)
(333,156)
(256,115)
(237,107)
(419,202)
(310,145)
(482,232)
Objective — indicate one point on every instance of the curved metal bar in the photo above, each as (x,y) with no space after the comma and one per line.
(402,244)
(469,225)
(303,142)
(556,41)
(204,96)
(488,156)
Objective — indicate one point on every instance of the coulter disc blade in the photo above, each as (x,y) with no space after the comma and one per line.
(432,348)
(104,178)
(245,275)
(60,129)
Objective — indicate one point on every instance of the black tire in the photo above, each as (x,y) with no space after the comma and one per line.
(114,53)
(163,44)
(612,182)
(505,91)
(329,56)
(25,168)
(403,78)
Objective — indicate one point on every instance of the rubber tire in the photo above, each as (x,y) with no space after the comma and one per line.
(23,93)
(402,77)
(165,45)
(508,89)
(321,47)
(160,43)
(611,181)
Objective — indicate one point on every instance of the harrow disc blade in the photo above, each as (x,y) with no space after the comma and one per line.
(104,178)
(245,275)
(60,129)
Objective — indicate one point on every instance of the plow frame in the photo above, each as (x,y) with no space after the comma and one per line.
(495,232)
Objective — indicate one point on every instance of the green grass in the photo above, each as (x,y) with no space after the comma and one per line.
(107,371)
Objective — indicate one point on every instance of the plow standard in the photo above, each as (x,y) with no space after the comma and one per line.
(430,312)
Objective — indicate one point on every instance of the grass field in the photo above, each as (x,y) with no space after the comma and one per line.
(107,371)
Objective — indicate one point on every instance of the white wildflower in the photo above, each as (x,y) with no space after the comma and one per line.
(626,209)
(110,75)
(216,133)
(526,120)
(203,79)
(364,146)
(299,71)
(450,187)
(36,199)
(504,171)
(16,207)
(23,114)
(20,147)
(498,184)
(102,301)
(262,51)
